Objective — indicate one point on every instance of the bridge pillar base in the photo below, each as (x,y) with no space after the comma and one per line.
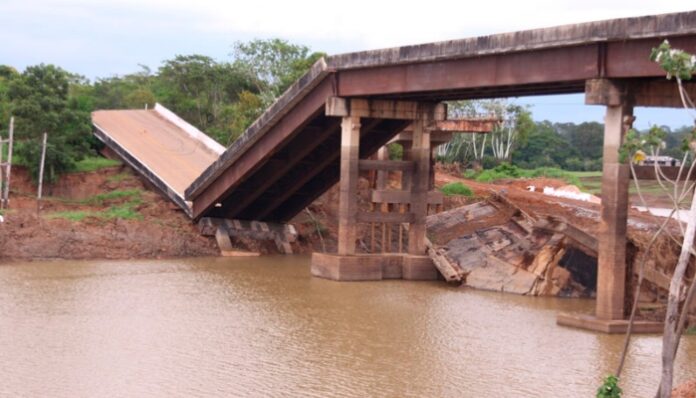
(609,326)
(373,267)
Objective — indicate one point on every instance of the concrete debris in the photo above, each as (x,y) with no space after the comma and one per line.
(495,245)
(571,192)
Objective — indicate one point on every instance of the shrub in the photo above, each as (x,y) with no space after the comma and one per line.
(610,388)
(456,188)
(499,172)
(508,171)
(470,174)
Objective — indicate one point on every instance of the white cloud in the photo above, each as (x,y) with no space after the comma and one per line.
(364,23)
(106,37)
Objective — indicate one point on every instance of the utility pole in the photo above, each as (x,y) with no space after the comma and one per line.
(41,173)
(6,169)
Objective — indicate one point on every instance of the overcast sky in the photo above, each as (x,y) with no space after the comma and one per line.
(112,37)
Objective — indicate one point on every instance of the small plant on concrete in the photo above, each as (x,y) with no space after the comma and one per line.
(610,388)
(456,188)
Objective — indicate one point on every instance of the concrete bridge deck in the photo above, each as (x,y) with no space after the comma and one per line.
(290,155)
(168,151)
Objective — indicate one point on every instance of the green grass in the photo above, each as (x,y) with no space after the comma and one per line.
(119,177)
(94,164)
(126,210)
(113,195)
(691,331)
(585,174)
(71,215)
(456,188)
(507,171)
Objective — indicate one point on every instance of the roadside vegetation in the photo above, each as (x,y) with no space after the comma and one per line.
(220,97)
(506,171)
(456,189)
(94,163)
(117,204)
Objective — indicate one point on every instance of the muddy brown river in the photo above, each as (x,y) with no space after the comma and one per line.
(263,327)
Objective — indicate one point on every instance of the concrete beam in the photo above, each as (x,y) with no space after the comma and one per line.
(403,197)
(383,109)
(282,234)
(640,92)
(472,125)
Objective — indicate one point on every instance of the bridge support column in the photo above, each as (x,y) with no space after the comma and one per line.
(348,186)
(612,273)
(420,184)
(611,262)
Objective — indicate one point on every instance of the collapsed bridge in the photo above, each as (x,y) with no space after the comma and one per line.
(325,126)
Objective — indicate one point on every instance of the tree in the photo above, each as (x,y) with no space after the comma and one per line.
(197,87)
(274,63)
(516,124)
(681,66)
(544,147)
(7,74)
(41,103)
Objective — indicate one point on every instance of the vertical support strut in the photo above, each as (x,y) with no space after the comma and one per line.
(382,178)
(611,272)
(420,153)
(348,201)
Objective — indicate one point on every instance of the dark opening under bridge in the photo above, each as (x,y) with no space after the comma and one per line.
(348,106)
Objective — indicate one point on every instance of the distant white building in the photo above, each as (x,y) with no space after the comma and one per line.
(661,161)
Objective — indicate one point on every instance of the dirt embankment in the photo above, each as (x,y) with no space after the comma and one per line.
(110,213)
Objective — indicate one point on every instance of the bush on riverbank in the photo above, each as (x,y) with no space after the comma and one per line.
(456,188)
(506,171)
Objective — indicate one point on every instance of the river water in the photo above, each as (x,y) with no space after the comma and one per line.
(265,327)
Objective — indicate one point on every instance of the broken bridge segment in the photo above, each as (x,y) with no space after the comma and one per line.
(282,234)
(169,152)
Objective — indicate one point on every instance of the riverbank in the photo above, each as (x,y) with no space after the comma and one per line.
(104,214)
(112,213)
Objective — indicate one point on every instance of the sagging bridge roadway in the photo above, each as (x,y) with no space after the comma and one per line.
(291,154)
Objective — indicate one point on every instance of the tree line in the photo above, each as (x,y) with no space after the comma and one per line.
(221,98)
(530,144)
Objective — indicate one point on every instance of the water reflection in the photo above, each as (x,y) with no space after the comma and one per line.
(264,327)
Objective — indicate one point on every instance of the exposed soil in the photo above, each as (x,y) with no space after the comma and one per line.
(165,231)
(685,390)
(162,230)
